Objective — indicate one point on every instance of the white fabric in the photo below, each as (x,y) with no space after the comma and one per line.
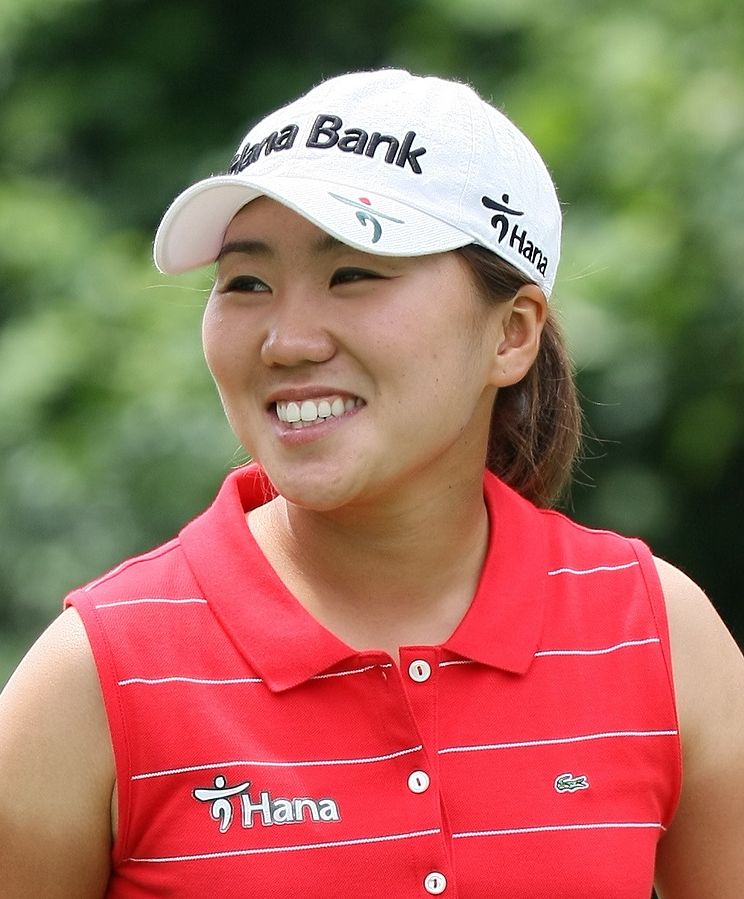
(448,170)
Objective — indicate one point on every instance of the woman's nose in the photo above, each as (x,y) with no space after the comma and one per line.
(296,332)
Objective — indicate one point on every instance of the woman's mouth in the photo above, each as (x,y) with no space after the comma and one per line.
(303,413)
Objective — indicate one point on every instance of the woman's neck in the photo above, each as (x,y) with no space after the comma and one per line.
(385,576)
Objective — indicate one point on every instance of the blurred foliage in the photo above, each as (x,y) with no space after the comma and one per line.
(110,430)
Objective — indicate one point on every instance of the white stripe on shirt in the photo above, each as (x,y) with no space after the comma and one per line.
(596,652)
(302,846)
(135,602)
(593,570)
(271,764)
(190,680)
(129,563)
(351,671)
(559,740)
(603,825)
(568,652)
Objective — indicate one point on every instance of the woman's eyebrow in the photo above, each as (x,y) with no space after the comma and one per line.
(327,243)
(247,247)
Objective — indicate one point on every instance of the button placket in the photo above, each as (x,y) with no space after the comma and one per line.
(418,669)
(419,674)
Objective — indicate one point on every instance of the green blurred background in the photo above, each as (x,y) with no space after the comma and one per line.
(111,432)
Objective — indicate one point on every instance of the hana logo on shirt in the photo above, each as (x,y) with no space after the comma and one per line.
(266,809)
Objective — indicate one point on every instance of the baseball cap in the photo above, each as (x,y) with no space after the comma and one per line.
(387,162)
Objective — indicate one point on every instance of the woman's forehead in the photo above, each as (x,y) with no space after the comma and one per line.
(265,228)
(265,217)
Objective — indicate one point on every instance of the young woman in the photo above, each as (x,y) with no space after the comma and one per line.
(378,665)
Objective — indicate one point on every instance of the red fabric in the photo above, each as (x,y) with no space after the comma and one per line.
(547,727)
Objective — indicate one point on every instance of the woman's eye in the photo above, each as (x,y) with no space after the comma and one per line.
(245,284)
(350,275)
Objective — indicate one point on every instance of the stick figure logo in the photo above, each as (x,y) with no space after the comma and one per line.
(500,222)
(367,214)
(222,808)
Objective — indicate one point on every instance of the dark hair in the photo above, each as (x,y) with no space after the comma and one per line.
(535,423)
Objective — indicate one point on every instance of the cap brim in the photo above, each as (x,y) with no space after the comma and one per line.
(192,231)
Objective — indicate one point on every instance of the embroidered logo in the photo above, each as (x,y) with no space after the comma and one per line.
(326,132)
(272,143)
(266,809)
(500,222)
(517,238)
(567,783)
(222,808)
(366,214)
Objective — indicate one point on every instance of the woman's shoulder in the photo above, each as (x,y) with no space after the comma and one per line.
(56,769)
(701,854)
(708,665)
(53,697)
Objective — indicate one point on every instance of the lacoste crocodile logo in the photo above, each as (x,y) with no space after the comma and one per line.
(567,783)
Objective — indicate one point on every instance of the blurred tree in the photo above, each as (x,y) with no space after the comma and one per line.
(110,430)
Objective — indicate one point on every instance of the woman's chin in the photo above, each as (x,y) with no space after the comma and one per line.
(316,491)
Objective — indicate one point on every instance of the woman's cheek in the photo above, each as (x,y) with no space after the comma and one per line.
(216,342)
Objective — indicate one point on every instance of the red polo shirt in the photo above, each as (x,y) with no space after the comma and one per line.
(533,754)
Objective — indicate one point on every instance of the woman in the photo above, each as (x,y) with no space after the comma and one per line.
(370,668)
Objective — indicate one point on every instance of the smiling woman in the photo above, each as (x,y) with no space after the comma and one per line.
(379,632)
(288,326)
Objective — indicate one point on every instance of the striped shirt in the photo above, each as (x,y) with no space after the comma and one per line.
(533,754)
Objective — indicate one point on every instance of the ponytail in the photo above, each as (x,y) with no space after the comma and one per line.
(536,423)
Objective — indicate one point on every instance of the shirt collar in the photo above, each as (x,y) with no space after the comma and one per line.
(286,645)
(280,640)
(503,625)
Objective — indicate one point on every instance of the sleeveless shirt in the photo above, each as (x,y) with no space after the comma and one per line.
(533,754)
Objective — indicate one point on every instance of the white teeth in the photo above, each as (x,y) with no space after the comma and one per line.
(293,412)
(309,411)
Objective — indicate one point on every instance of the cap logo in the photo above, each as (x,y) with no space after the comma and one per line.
(500,222)
(326,133)
(277,140)
(367,214)
(517,238)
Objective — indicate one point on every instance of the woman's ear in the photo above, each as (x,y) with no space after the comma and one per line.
(523,322)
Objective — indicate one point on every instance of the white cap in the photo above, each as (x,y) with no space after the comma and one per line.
(387,162)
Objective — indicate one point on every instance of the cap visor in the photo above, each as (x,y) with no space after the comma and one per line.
(192,231)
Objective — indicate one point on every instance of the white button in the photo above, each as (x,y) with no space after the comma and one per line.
(419,670)
(419,782)
(435,883)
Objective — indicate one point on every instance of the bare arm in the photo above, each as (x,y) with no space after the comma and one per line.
(703,852)
(56,771)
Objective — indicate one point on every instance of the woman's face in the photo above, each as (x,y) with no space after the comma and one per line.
(351,378)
